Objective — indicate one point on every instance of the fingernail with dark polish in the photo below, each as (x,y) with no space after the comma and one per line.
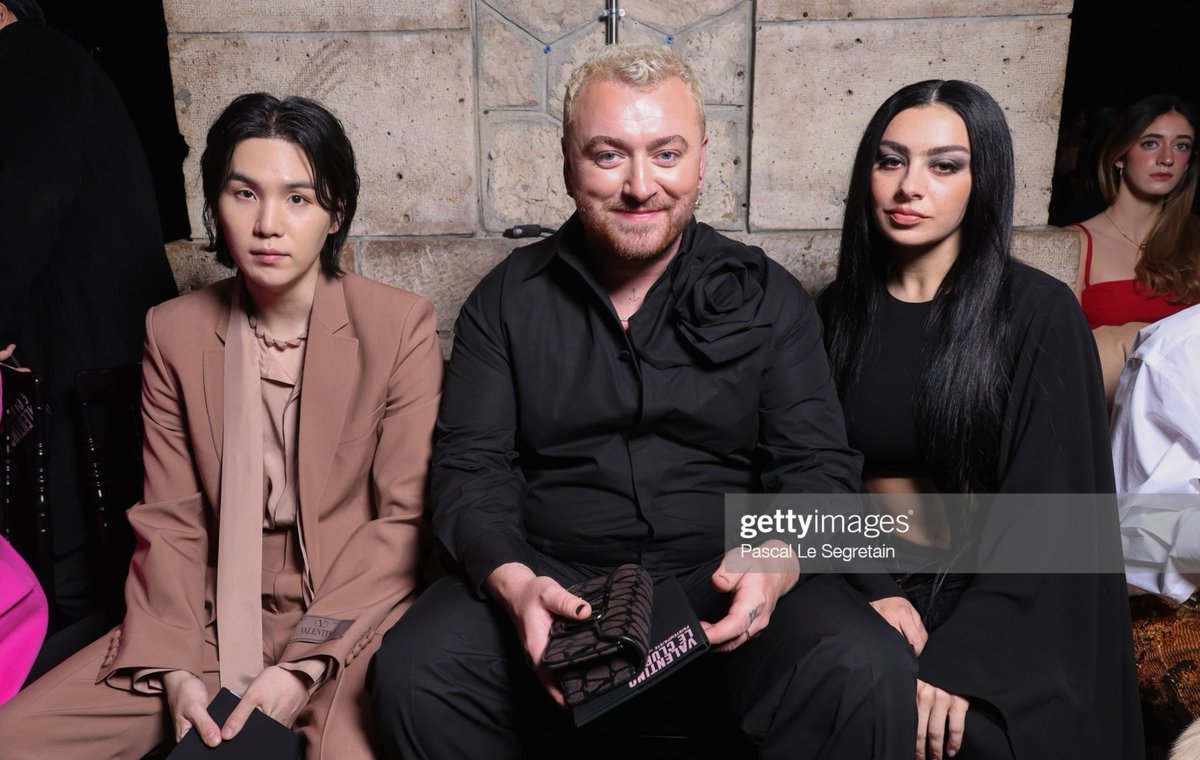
(579,609)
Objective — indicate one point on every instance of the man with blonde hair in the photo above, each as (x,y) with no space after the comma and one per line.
(608,386)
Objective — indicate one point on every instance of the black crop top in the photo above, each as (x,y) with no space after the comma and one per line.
(879,404)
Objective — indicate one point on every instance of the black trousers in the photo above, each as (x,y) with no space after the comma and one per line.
(828,678)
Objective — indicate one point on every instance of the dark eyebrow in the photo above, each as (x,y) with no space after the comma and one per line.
(947,149)
(603,140)
(941,149)
(1163,137)
(237,177)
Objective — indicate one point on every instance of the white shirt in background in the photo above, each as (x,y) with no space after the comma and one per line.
(1156,456)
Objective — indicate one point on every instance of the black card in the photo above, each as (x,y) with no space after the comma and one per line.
(262,738)
(676,638)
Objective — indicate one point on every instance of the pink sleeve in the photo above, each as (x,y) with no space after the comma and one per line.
(23,617)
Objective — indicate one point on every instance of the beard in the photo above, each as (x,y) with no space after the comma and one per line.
(607,233)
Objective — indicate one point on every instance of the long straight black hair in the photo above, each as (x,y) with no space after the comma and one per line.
(963,386)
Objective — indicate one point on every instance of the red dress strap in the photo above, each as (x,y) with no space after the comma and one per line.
(1087,263)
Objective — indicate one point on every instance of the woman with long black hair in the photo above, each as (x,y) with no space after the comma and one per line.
(962,371)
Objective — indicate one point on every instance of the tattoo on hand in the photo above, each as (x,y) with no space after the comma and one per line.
(754,613)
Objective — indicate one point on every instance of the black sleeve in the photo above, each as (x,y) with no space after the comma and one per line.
(476,479)
(1049,651)
(802,438)
(802,430)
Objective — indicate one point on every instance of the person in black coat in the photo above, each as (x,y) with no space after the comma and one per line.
(81,253)
(962,371)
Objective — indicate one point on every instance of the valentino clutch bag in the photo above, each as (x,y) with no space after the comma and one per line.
(592,656)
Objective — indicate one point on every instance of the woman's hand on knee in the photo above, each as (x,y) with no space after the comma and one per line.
(901,615)
(941,720)
(187,698)
(278,692)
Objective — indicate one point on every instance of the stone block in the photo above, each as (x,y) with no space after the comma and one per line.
(512,65)
(444,270)
(406,100)
(676,15)
(568,54)
(718,50)
(1053,250)
(826,10)
(719,54)
(724,202)
(550,20)
(522,171)
(837,74)
(241,16)
(195,267)
(810,256)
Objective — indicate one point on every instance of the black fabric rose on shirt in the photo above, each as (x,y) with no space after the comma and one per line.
(717,297)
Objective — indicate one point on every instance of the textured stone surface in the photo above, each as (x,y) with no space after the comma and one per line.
(724,202)
(816,86)
(512,66)
(314,15)
(1051,249)
(810,256)
(675,15)
(813,10)
(406,101)
(568,54)
(444,270)
(194,267)
(719,53)
(550,20)
(522,171)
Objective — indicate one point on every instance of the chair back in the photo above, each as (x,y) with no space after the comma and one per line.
(111,428)
(24,474)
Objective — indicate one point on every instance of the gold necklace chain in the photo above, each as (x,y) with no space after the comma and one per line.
(1140,246)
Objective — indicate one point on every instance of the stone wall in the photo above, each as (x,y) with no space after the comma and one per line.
(455,106)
